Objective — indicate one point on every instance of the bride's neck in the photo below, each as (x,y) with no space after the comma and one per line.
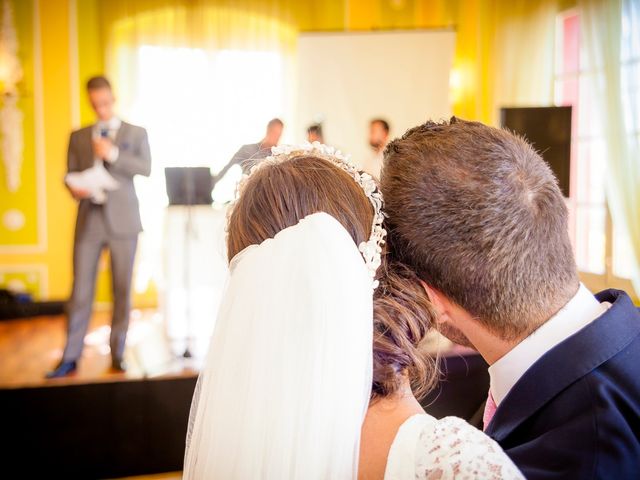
(402,402)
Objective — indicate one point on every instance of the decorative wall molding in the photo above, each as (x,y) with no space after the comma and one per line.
(38,97)
(11,74)
(40,167)
(74,64)
(33,278)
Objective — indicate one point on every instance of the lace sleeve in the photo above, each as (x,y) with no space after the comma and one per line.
(452,449)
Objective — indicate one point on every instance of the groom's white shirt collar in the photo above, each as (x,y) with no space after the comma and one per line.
(580,311)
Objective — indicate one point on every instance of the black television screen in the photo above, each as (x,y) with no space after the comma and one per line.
(548,129)
(188,185)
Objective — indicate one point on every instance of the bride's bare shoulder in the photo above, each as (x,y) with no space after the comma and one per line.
(382,422)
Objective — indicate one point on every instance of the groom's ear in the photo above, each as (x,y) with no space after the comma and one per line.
(439,301)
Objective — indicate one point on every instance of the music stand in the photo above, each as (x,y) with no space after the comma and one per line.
(188,186)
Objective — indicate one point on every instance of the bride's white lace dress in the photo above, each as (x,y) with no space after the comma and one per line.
(429,449)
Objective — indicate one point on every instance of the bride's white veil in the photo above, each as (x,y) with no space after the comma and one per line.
(287,380)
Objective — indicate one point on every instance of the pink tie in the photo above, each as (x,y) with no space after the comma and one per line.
(489,410)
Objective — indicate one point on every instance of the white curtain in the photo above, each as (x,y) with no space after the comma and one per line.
(524,54)
(612,38)
(204,78)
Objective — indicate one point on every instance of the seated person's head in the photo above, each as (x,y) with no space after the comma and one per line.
(280,195)
(314,133)
(378,133)
(478,214)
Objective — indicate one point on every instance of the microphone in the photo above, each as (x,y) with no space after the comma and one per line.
(104,133)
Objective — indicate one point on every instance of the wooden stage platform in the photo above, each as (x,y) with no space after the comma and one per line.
(95,423)
(31,347)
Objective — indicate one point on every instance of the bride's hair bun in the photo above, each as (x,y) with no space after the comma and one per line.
(279,196)
(402,317)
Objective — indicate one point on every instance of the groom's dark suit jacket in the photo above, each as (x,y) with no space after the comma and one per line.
(575,414)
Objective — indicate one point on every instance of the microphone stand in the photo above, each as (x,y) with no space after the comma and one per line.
(188,229)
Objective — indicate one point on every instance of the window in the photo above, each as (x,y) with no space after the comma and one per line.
(199,107)
(602,252)
(630,83)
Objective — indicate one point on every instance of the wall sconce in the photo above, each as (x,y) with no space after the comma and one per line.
(455,85)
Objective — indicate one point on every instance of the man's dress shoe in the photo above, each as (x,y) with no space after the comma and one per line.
(118,365)
(63,369)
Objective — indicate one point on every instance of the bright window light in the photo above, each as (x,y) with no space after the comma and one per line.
(198,107)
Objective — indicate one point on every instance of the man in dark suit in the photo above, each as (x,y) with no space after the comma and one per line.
(249,155)
(479,216)
(110,220)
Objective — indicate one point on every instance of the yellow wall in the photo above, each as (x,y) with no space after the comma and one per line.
(69,54)
(71,51)
(50,83)
(54,25)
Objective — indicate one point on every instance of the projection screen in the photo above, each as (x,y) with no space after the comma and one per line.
(346,79)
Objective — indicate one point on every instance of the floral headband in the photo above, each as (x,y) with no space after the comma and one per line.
(371,250)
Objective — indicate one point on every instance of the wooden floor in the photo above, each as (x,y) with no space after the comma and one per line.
(31,347)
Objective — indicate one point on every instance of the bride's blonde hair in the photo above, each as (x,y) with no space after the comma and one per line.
(279,195)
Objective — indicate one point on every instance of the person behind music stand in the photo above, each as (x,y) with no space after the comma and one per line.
(250,154)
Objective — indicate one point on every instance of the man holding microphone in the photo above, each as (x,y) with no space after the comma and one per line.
(106,219)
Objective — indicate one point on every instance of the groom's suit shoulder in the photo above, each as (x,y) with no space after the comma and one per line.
(576,412)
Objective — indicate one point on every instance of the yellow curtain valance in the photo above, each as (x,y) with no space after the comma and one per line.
(504,48)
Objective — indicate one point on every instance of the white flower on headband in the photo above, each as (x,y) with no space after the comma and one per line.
(371,250)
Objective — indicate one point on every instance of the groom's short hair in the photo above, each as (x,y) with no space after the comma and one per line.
(478,214)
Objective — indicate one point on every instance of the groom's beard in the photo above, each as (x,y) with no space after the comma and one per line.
(455,335)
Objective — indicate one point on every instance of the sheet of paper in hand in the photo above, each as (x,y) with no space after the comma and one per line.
(95,180)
